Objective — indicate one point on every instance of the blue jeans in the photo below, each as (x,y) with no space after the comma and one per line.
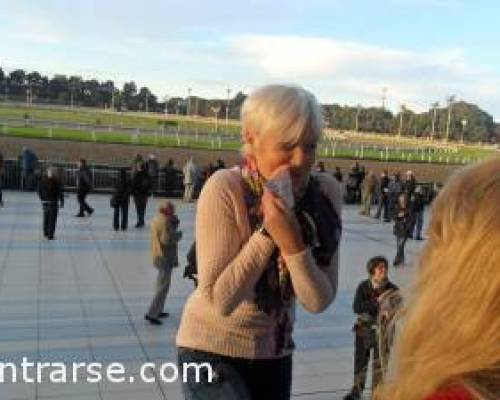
(236,378)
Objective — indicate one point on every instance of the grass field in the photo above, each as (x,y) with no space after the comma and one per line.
(345,145)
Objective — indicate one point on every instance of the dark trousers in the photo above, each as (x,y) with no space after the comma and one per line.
(400,249)
(419,223)
(121,210)
(50,211)
(236,378)
(1,194)
(364,343)
(84,207)
(383,204)
(141,202)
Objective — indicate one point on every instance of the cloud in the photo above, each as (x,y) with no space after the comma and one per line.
(354,71)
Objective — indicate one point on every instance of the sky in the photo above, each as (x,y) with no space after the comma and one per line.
(344,51)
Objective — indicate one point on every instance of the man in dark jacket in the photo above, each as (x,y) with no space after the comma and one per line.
(366,305)
(383,197)
(83,188)
(141,189)
(50,192)
(120,200)
(417,206)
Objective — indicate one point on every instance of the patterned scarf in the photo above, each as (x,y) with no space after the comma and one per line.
(321,230)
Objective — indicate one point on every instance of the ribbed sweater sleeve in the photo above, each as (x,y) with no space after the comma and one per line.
(228,267)
(315,286)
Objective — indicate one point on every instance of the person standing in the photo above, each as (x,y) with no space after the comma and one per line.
(366,305)
(153,170)
(165,237)
(402,226)
(338,174)
(369,187)
(410,183)
(395,188)
(29,162)
(51,195)
(383,203)
(189,172)
(83,188)
(141,189)
(261,249)
(417,206)
(120,201)
(170,177)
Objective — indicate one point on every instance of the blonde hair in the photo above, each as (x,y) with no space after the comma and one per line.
(451,328)
(285,111)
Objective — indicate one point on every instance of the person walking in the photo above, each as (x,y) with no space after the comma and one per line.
(141,189)
(120,200)
(383,200)
(83,188)
(366,305)
(51,195)
(165,237)
(402,226)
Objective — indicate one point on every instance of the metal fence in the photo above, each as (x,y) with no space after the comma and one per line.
(104,177)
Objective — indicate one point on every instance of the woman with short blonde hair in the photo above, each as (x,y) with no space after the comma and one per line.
(449,347)
(262,243)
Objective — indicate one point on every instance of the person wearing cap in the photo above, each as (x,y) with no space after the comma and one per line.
(165,237)
(50,192)
(367,305)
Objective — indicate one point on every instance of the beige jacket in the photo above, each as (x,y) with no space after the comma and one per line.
(164,242)
(221,316)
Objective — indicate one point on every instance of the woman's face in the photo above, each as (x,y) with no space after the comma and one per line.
(270,154)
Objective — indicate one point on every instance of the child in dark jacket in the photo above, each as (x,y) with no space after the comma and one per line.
(366,305)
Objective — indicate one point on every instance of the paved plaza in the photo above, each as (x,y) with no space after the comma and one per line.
(82,298)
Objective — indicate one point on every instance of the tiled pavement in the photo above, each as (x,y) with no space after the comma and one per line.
(82,297)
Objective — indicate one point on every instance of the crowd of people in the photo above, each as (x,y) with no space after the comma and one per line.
(267,236)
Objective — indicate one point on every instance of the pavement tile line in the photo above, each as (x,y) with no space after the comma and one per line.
(126,310)
(83,309)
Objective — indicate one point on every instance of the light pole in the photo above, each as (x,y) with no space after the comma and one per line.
(227,106)
(357,117)
(433,126)
(401,120)
(450,101)
(464,124)
(215,110)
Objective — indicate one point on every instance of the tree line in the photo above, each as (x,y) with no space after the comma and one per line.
(460,121)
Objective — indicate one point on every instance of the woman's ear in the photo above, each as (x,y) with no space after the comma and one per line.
(248,137)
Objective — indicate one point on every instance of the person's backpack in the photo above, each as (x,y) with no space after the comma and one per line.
(191,269)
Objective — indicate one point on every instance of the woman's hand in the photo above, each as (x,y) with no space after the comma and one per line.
(281,224)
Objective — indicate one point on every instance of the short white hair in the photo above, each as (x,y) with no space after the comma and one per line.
(285,111)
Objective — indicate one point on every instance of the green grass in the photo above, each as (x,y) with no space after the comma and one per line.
(95,117)
(119,138)
(349,149)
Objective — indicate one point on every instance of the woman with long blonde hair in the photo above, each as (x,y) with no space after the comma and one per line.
(449,347)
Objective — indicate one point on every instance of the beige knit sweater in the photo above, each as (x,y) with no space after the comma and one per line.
(221,316)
